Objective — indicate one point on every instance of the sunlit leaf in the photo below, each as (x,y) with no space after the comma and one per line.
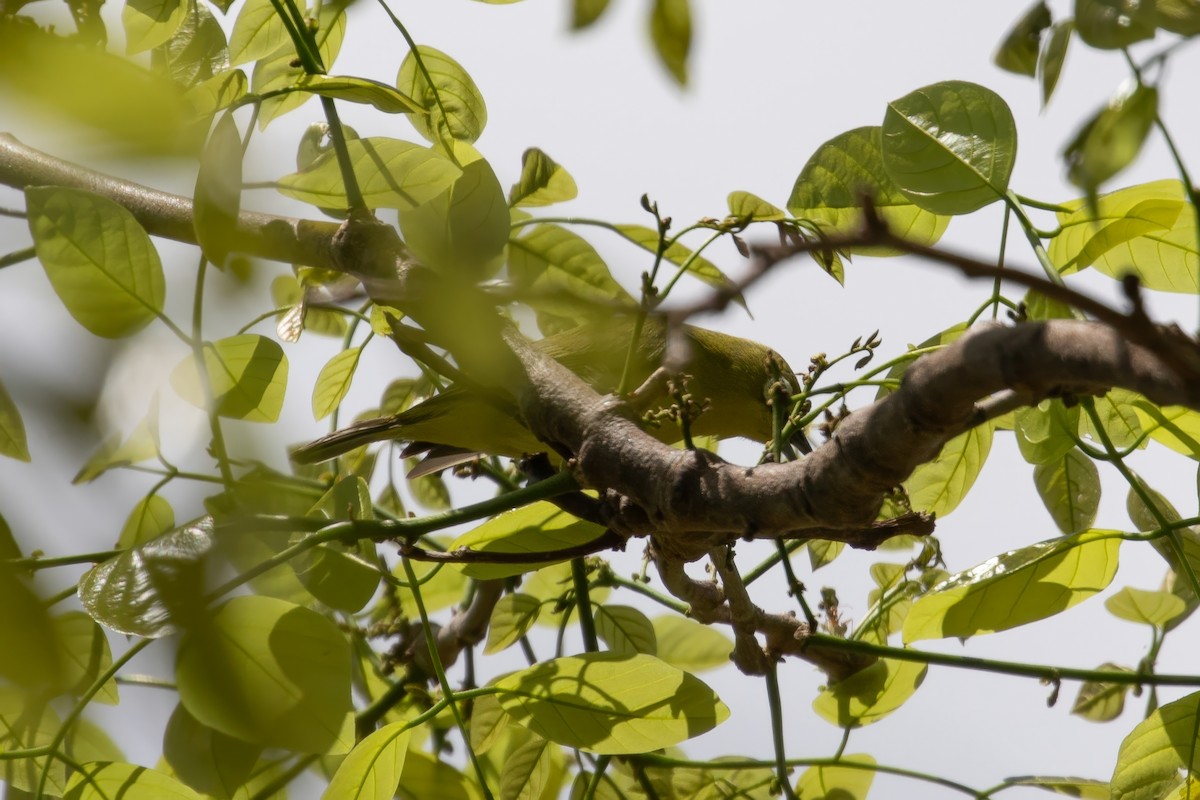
(1177,427)
(678,254)
(1112,139)
(830,190)
(1070,490)
(543,182)
(689,645)
(30,653)
(441,585)
(141,444)
(281,68)
(488,722)
(359,90)
(269,672)
(333,382)
(526,769)
(870,694)
(625,629)
(1019,51)
(607,703)
(838,782)
(247,375)
(104,781)
(218,194)
(1156,750)
(547,258)
(217,93)
(26,722)
(149,23)
(150,590)
(12,429)
(258,31)
(1101,702)
(1079,788)
(196,52)
(372,769)
(87,741)
(1052,56)
(1147,608)
(391,174)
(940,485)
(671,32)
(149,519)
(1112,24)
(426,776)
(950,146)
(465,228)
(1178,16)
(450,101)
(1147,229)
(1016,588)
(747,206)
(100,262)
(1117,417)
(205,759)
(822,552)
(536,528)
(512,617)
(86,655)
(1045,432)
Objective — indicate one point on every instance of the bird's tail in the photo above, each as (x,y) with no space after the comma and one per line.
(349,438)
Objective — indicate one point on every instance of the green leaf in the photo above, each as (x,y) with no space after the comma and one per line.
(217,93)
(142,444)
(525,772)
(450,101)
(747,206)
(689,645)
(543,182)
(149,519)
(830,188)
(822,552)
(678,254)
(1178,16)
(269,672)
(1016,588)
(465,228)
(87,741)
(86,655)
(1079,788)
(870,694)
(512,618)
(607,703)
(359,90)
(1147,229)
(426,776)
(26,722)
(1148,608)
(12,429)
(1113,24)
(671,33)
(372,769)
(105,781)
(537,528)
(280,69)
(1112,138)
(257,32)
(1178,581)
(442,586)
(218,194)
(1117,417)
(1070,490)
(1045,432)
(196,51)
(334,381)
(938,486)
(247,374)
(429,491)
(1177,427)
(546,259)
(488,722)
(585,12)
(1018,53)
(100,262)
(1156,750)
(1101,702)
(1051,58)
(149,23)
(838,782)
(625,630)
(150,590)
(205,759)
(391,174)
(30,653)
(950,146)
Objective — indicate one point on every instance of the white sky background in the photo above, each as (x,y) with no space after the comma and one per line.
(770,81)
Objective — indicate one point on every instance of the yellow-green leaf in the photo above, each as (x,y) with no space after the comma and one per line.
(1016,588)
(206,759)
(269,672)
(359,90)
(1177,427)
(1051,57)
(1070,490)
(391,174)
(838,782)
(12,429)
(747,206)
(1147,229)
(149,519)
(100,262)
(86,655)
(1019,51)
(372,769)
(149,23)
(608,703)
(547,259)
(1112,138)
(940,485)
(950,146)
(689,645)
(536,528)
(281,69)
(512,617)
(1101,702)
(247,374)
(870,694)
(1156,750)
(257,32)
(678,254)
(671,32)
(334,381)
(543,182)
(1113,24)
(104,781)
(1079,788)
(1145,607)
(218,194)
(625,629)
(449,101)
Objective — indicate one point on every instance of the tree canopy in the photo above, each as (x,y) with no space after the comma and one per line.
(513,572)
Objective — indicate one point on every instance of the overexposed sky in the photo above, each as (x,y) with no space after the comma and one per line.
(771,80)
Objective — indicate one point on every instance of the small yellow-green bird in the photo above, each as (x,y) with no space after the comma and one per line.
(731,373)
